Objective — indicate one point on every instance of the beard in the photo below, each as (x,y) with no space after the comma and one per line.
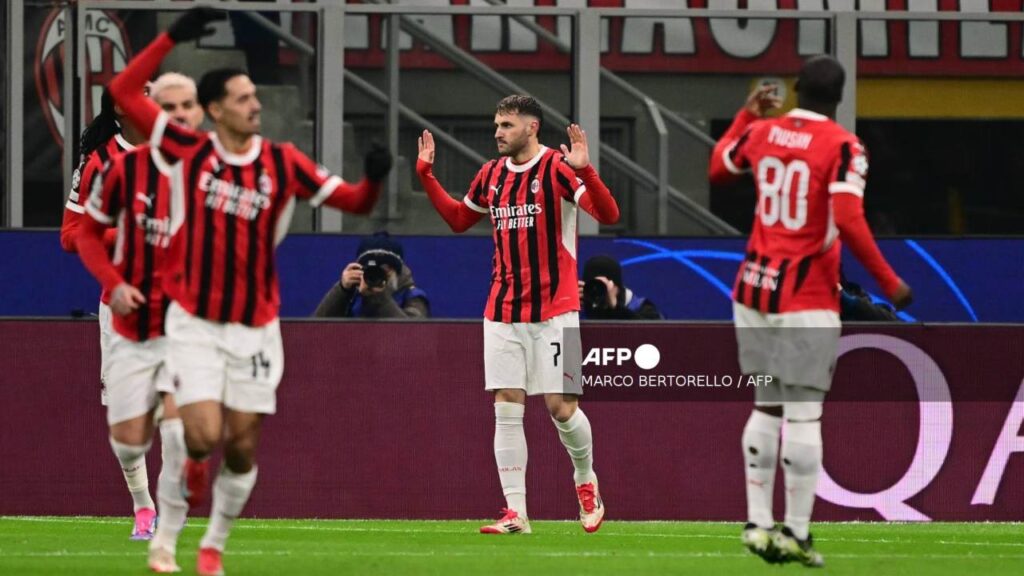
(514,147)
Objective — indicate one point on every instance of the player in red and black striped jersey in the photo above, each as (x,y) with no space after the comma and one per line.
(102,140)
(129,199)
(531,337)
(810,175)
(237,192)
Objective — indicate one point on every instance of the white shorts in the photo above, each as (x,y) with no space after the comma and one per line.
(136,375)
(797,348)
(538,357)
(106,332)
(237,365)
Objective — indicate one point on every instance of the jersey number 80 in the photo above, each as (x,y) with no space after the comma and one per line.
(776,183)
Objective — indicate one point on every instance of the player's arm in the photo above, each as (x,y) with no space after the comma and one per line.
(318,186)
(74,209)
(460,216)
(847,194)
(727,161)
(591,194)
(127,87)
(105,205)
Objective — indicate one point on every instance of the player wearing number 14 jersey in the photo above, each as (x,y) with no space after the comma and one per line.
(531,321)
(810,175)
(231,196)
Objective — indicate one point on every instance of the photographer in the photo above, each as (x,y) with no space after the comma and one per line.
(603,296)
(377,285)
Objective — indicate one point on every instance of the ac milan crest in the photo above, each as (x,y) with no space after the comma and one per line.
(106,53)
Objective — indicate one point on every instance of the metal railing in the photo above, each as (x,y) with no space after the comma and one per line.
(842,43)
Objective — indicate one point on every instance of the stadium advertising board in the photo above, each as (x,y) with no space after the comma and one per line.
(718,46)
(923,423)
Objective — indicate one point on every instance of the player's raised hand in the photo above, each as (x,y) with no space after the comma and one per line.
(578,156)
(125,299)
(903,296)
(763,99)
(377,163)
(194,24)
(426,147)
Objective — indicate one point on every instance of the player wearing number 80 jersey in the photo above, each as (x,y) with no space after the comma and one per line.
(810,176)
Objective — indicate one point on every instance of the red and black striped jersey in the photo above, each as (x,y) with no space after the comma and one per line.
(237,209)
(798,162)
(134,195)
(81,182)
(533,210)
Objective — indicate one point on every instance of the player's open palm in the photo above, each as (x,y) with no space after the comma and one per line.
(426,146)
(125,299)
(578,154)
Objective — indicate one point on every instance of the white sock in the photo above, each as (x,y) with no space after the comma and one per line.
(760,455)
(801,459)
(230,493)
(173,507)
(510,453)
(133,465)
(579,443)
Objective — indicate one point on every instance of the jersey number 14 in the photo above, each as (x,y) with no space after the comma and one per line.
(776,184)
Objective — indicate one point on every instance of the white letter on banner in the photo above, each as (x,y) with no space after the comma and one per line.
(638,33)
(982,39)
(811,39)
(933,440)
(1008,443)
(923,36)
(874,34)
(439,25)
(746,40)
(565,23)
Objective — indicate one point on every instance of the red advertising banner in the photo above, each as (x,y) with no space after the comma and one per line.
(924,423)
(716,46)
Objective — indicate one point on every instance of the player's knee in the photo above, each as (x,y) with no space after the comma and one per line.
(240,453)
(200,440)
(510,395)
(771,410)
(561,406)
(132,432)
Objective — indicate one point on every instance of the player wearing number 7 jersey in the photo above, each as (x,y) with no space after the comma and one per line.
(810,175)
(531,194)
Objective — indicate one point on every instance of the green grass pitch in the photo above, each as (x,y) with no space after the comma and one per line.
(83,546)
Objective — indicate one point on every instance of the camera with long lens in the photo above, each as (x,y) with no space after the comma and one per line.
(595,295)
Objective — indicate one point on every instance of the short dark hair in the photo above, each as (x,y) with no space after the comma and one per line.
(520,104)
(213,85)
(821,80)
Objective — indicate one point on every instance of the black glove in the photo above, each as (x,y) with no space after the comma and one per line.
(377,163)
(192,25)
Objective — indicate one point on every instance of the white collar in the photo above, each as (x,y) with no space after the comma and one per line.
(161,163)
(238,159)
(123,144)
(513,167)
(806,115)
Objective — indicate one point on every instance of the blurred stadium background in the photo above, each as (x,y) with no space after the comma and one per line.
(936,96)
